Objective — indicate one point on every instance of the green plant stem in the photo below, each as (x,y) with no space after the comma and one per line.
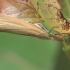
(66,47)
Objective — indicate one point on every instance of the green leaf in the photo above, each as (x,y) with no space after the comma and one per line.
(65,8)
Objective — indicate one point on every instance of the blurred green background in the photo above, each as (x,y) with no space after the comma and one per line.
(19,52)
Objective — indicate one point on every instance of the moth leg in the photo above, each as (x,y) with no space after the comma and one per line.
(52,29)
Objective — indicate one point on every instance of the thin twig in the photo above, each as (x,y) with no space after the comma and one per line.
(17,26)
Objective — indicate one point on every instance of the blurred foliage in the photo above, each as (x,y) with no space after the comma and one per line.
(65,8)
(27,53)
(19,52)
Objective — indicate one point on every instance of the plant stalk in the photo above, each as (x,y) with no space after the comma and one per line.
(66,46)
